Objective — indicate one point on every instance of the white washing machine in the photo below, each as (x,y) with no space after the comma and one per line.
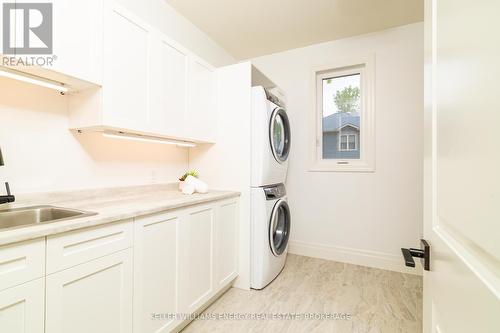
(271,138)
(271,223)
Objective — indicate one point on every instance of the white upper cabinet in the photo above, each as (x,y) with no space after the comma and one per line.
(151,85)
(76,57)
(77,38)
(126,77)
(168,90)
(202,112)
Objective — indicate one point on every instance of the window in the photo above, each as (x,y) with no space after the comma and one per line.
(343,117)
(347,142)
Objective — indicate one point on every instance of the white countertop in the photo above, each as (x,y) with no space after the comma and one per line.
(110,205)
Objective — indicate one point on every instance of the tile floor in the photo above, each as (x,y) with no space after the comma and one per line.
(376,300)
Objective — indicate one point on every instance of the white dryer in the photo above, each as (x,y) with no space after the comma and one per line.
(271,138)
(271,223)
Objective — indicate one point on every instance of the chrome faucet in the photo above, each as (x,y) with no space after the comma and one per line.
(9,197)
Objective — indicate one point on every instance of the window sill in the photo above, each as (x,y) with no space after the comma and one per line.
(331,166)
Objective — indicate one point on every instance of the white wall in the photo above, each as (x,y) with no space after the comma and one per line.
(41,154)
(363,218)
(164,17)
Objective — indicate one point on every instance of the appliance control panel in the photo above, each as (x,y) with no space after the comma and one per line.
(273,98)
(275,191)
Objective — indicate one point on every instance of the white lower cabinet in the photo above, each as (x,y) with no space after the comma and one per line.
(155,272)
(141,276)
(226,243)
(181,260)
(22,308)
(92,297)
(21,262)
(196,258)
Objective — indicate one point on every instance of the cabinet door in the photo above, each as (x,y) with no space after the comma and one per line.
(126,64)
(226,240)
(196,258)
(92,297)
(168,93)
(202,113)
(22,308)
(155,272)
(77,38)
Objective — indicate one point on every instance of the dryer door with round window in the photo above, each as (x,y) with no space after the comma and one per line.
(279,135)
(279,228)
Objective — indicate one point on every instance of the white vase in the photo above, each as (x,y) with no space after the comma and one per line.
(181,185)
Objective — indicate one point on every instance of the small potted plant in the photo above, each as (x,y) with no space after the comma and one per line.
(184,176)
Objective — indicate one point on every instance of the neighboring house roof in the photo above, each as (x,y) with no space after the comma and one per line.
(339,120)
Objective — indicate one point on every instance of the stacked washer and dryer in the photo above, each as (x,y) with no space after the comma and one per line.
(270,222)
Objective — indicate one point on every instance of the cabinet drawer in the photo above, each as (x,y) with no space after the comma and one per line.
(76,247)
(21,262)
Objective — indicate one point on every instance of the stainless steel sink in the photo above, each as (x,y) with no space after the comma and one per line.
(19,217)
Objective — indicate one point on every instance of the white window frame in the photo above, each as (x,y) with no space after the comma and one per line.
(347,142)
(365,66)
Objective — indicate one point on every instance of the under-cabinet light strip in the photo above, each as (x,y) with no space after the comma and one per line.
(142,138)
(31,79)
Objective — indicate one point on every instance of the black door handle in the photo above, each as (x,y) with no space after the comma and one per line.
(408,258)
(424,253)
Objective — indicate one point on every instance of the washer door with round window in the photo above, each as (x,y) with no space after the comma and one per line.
(279,135)
(279,228)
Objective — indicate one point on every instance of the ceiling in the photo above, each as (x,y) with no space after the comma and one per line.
(251,28)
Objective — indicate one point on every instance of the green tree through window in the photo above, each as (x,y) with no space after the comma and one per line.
(347,99)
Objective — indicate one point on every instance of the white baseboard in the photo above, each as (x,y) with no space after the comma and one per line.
(353,256)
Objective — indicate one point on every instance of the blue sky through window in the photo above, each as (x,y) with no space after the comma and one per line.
(330,88)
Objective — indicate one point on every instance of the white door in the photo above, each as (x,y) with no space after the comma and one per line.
(92,297)
(22,308)
(196,231)
(155,273)
(462,166)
